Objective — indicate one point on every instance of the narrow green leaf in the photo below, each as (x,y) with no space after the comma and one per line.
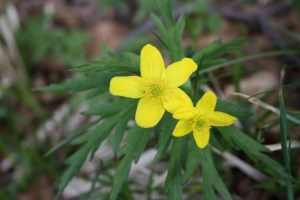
(237,138)
(98,80)
(192,161)
(165,9)
(215,49)
(75,162)
(197,57)
(70,137)
(108,109)
(120,128)
(136,143)
(180,27)
(96,92)
(125,62)
(91,141)
(162,29)
(253,149)
(206,63)
(96,133)
(174,178)
(232,109)
(211,177)
(285,150)
(166,128)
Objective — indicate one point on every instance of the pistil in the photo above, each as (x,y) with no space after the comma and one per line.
(156,89)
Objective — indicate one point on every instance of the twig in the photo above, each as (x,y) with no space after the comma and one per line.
(277,147)
(234,161)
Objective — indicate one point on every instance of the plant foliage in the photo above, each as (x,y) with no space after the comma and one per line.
(115,113)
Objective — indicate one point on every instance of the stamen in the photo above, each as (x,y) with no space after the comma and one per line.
(199,122)
(156,89)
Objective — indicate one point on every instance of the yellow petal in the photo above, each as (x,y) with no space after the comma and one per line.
(202,137)
(176,99)
(182,128)
(185,113)
(207,103)
(220,119)
(148,112)
(179,72)
(128,86)
(152,63)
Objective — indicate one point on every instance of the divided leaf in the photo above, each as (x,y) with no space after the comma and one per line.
(192,161)
(167,126)
(91,141)
(253,149)
(234,110)
(216,48)
(107,109)
(135,145)
(174,178)
(98,80)
(211,178)
(125,62)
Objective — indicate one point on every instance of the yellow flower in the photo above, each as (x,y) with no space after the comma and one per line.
(199,119)
(157,87)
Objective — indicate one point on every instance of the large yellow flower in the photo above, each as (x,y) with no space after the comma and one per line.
(157,87)
(199,119)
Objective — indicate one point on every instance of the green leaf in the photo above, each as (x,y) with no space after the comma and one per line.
(180,26)
(75,163)
(234,110)
(173,182)
(95,92)
(108,109)
(125,62)
(91,141)
(162,29)
(170,33)
(166,128)
(165,9)
(99,131)
(70,137)
(211,177)
(120,128)
(237,138)
(136,143)
(285,149)
(215,49)
(97,80)
(253,149)
(192,161)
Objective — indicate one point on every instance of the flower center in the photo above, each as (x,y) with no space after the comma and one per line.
(156,89)
(199,122)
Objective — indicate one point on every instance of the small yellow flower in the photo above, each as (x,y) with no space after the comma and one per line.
(157,87)
(199,119)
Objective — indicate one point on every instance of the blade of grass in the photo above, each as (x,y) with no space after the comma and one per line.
(283,140)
